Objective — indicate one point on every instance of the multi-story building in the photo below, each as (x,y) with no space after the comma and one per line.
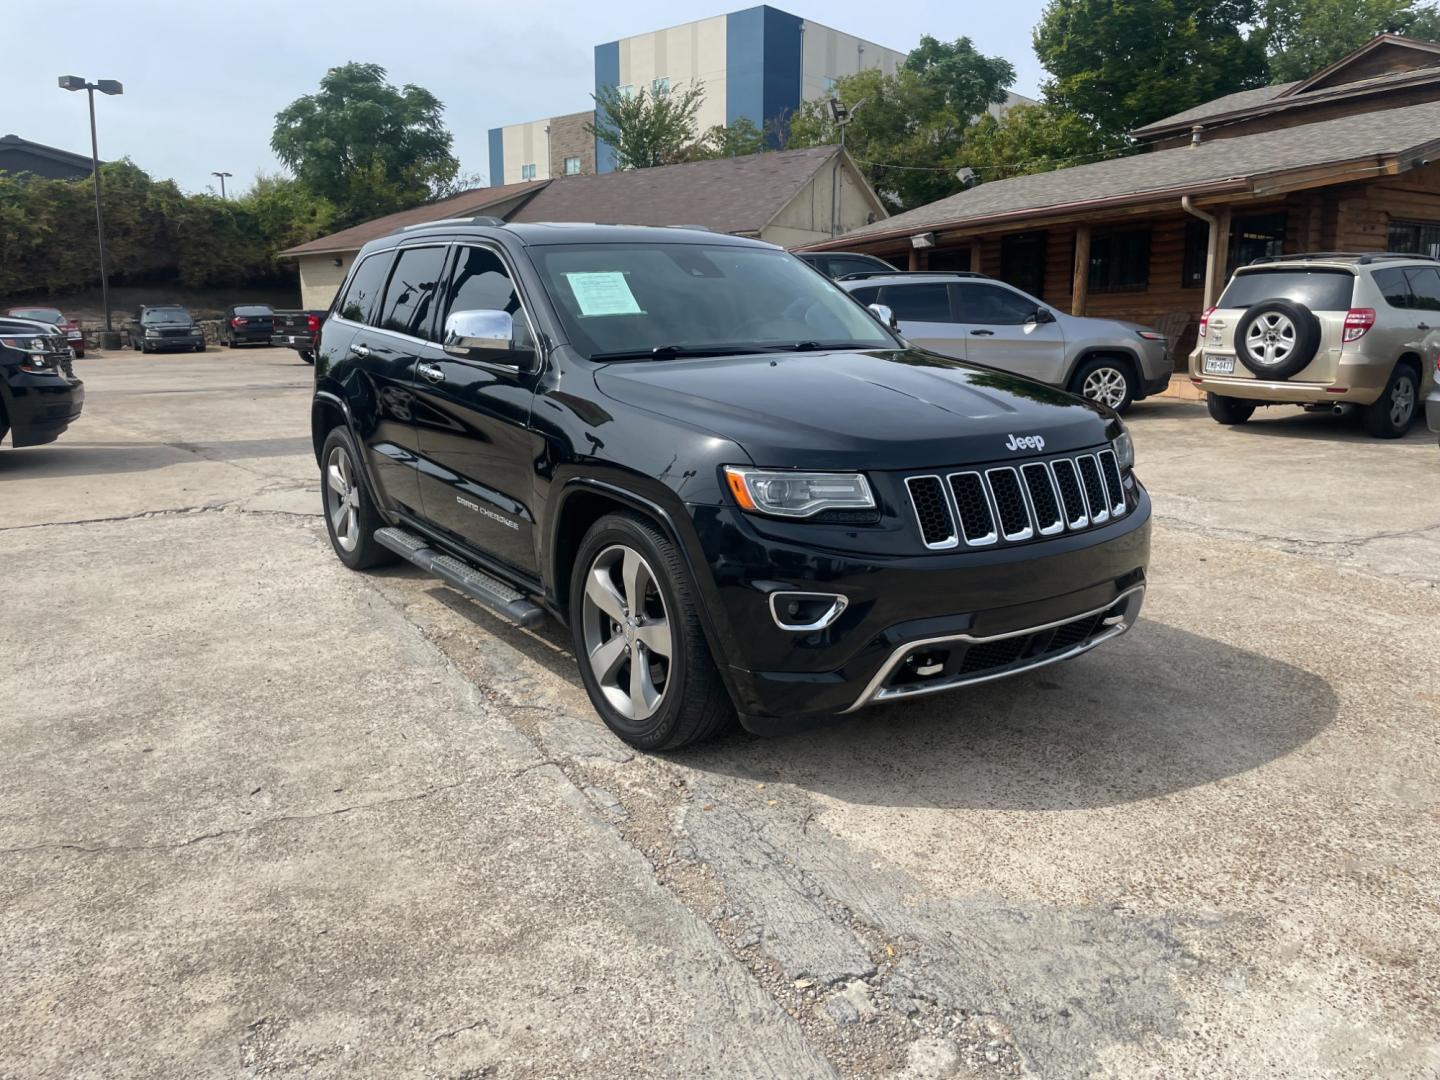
(758,64)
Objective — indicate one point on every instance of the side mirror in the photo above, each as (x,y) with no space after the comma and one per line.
(471,332)
(1042,316)
(885,315)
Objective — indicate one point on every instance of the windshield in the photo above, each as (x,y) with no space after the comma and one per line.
(166,315)
(1319,290)
(621,299)
(40,314)
(254,310)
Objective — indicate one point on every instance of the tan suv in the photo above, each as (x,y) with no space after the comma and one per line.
(1320,330)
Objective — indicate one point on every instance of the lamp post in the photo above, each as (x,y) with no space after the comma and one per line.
(842,115)
(110,87)
(222,176)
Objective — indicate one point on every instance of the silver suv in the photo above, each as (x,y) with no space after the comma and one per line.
(1320,330)
(973,317)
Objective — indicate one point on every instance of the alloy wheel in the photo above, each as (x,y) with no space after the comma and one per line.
(1105,385)
(1402,402)
(1271,338)
(342,498)
(626,632)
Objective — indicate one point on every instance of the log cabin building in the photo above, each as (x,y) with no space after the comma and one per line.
(1345,160)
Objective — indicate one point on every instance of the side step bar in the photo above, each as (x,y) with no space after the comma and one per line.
(474,583)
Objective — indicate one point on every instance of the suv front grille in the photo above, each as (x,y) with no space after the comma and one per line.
(1015,504)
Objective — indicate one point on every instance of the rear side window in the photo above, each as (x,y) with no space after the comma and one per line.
(1424,287)
(409,306)
(365,285)
(918,303)
(1393,287)
(840,265)
(1319,290)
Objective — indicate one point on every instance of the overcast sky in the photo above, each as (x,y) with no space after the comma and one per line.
(204,79)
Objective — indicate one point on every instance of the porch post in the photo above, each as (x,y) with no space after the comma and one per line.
(1080,284)
(917,259)
(975,245)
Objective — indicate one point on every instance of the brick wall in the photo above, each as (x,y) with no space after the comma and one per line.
(568,138)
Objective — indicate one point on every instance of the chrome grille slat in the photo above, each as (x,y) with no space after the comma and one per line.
(1044,498)
(1012,512)
(1094,488)
(932,512)
(1110,470)
(975,508)
(1072,499)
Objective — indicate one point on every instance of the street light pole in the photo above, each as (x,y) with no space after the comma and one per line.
(222,176)
(842,117)
(111,87)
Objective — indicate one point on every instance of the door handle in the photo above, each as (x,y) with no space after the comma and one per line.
(432,373)
(983,333)
(362,350)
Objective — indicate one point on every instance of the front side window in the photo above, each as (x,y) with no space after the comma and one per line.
(409,304)
(992,304)
(918,303)
(572,166)
(1120,262)
(480,282)
(630,299)
(364,288)
(527,172)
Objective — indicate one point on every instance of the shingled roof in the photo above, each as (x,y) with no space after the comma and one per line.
(1369,139)
(731,195)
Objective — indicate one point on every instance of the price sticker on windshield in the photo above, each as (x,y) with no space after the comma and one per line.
(603,292)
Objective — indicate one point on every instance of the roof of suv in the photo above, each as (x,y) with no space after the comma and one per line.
(1346,260)
(909,277)
(540,233)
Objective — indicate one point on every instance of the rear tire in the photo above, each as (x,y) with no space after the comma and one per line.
(308,357)
(1392,413)
(1228,410)
(631,598)
(1107,381)
(350,516)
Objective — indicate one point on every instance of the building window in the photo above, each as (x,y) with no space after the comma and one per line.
(831,85)
(1258,236)
(1197,250)
(572,166)
(527,172)
(627,91)
(1022,262)
(1415,238)
(660,85)
(1120,261)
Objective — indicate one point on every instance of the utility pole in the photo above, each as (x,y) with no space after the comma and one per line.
(110,87)
(222,176)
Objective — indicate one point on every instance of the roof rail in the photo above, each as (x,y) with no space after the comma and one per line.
(863,274)
(1362,257)
(478,219)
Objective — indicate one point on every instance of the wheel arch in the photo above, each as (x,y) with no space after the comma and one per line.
(1122,353)
(1413,361)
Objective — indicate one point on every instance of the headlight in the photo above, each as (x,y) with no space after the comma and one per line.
(1124,450)
(797,494)
(152,333)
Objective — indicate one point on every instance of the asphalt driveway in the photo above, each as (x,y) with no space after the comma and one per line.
(262,816)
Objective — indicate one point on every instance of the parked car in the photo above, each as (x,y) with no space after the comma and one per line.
(54,317)
(247,324)
(1322,330)
(298,330)
(740,490)
(976,318)
(1432,402)
(838,264)
(165,327)
(39,398)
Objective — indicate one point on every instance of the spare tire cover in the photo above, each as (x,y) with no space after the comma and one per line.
(1277,338)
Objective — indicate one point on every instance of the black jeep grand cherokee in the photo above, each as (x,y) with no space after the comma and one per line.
(739,489)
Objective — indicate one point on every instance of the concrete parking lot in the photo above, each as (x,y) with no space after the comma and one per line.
(263,816)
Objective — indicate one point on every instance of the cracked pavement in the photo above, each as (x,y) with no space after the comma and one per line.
(262,816)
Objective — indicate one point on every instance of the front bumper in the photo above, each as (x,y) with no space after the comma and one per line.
(948,602)
(178,341)
(41,407)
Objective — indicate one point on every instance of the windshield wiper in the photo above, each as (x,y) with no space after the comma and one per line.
(667,352)
(814,346)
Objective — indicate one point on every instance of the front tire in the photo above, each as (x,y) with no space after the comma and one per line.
(308,357)
(1228,410)
(638,639)
(1391,414)
(350,517)
(1106,380)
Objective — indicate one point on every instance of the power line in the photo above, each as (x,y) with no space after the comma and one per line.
(997,165)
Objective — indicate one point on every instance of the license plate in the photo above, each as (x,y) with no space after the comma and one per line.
(293,339)
(1216,364)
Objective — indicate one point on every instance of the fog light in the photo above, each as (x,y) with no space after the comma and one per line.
(802,611)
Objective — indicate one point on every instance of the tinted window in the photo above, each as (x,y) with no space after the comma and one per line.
(991,304)
(1319,290)
(254,310)
(365,286)
(840,265)
(1425,287)
(1393,287)
(409,305)
(481,283)
(1120,261)
(867,295)
(166,315)
(918,303)
(1022,261)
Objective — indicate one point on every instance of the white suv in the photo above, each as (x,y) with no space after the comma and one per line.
(1319,330)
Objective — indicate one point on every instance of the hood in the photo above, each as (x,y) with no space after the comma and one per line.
(892,409)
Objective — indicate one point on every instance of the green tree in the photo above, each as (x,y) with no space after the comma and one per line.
(735,140)
(1122,64)
(966,80)
(1034,138)
(366,146)
(1303,36)
(646,128)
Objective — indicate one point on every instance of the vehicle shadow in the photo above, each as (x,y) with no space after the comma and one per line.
(1277,421)
(60,459)
(1157,712)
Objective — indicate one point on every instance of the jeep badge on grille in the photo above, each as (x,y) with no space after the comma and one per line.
(1025,442)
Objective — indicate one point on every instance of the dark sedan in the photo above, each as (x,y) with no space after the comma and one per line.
(39,398)
(247,324)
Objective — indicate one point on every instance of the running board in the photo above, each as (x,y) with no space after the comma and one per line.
(474,583)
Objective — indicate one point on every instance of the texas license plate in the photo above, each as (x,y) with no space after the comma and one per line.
(1219,364)
(293,339)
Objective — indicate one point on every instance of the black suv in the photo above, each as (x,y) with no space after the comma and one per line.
(741,491)
(39,394)
(167,326)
